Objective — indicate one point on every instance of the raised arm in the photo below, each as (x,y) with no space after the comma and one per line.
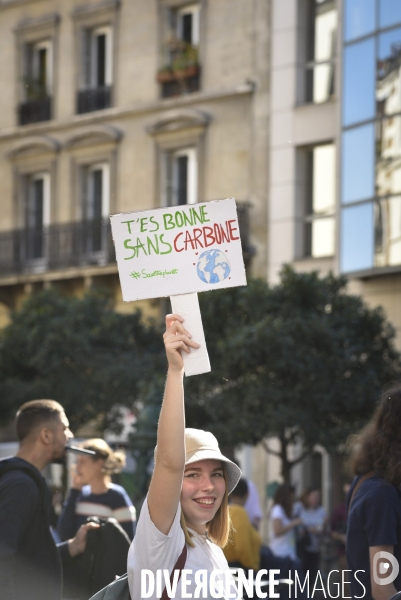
(166,483)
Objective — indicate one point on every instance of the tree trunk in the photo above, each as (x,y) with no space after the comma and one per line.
(286,464)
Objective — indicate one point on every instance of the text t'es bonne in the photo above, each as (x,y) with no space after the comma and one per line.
(191,238)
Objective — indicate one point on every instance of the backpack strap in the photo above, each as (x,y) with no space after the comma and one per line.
(179,565)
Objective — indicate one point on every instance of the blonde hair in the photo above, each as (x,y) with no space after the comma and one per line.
(218,529)
(114,462)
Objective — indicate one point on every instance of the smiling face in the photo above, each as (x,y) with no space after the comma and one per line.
(203,489)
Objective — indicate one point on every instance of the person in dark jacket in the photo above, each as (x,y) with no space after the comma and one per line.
(30,561)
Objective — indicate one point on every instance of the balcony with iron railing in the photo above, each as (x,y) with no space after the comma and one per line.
(78,244)
(34,111)
(56,247)
(37,104)
(92,99)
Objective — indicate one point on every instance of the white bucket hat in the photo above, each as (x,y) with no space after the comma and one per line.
(202,445)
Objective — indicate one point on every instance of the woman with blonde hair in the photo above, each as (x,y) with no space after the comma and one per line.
(184,519)
(93,494)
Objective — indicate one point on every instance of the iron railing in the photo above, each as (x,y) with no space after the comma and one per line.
(179,87)
(34,111)
(79,244)
(56,247)
(93,99)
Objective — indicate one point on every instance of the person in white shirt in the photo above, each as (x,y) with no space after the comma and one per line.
(282,542)
(187,502)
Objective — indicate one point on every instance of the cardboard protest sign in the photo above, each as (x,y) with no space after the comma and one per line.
(178,250)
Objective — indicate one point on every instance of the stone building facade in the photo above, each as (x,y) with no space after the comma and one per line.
(122,105)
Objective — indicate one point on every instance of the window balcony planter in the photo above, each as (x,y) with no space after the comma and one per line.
(167,74)
(178,83)
(181,75)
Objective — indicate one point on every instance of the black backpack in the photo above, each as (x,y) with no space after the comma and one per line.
(104,559)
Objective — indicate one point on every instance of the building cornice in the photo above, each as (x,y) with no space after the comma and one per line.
(58,275)
(120,112)
(48,20)
(84,10)
(41,142)
(177,119)
(13,3)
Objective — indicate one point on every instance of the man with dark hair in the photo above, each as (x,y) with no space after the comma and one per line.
(30,565)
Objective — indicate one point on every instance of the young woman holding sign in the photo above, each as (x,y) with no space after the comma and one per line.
(185,515)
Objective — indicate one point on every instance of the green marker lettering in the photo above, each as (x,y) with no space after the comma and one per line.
(196,216)
(152,220)
(165,244)
(143,224)
(188,220)
(129,224)
(153,247)
(128,247)
(179,221)
(139,245)
(168,220)
(204,214)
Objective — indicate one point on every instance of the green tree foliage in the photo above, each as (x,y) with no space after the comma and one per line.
(302,361)
(79,352)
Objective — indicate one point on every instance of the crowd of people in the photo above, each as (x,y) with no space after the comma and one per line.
(199,513)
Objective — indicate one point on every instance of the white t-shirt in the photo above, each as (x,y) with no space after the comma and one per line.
(282,545)
(156,551)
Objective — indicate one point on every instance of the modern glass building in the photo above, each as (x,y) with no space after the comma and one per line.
(371,136)
(334,199)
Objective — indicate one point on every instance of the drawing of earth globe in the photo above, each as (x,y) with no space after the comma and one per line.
(213,266)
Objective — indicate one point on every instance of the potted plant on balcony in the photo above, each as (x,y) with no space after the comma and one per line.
(183,62)
(165,74)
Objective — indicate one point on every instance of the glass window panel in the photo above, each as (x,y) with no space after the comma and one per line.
(388,232)
(389,12)
(358,158)
(359,82)
(322,237)
(323,195)
(320,83)
(357,238)
(388,85)
(325,31)
(388,156)
(359,16)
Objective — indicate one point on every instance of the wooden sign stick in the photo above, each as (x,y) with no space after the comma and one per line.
(187,306)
